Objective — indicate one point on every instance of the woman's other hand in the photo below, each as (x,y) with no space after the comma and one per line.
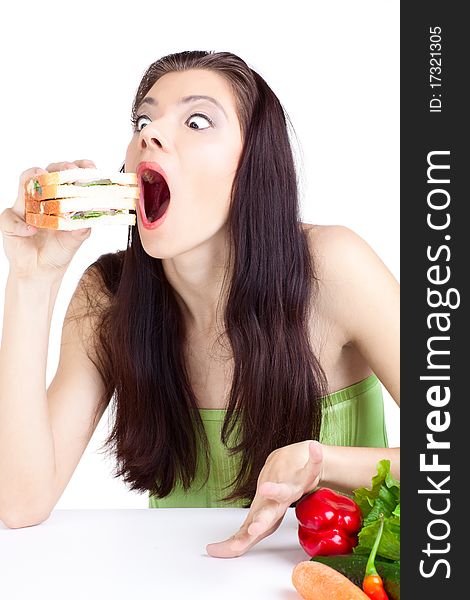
(288,474)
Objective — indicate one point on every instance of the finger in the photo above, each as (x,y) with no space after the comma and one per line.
(18,206)
(229,548)
(81,234)
(263,520)
(258,525)
(234,546)
(60,166)
(12,224)
(85,164)
(284,493)
(239,544)
(309,476)
(315,456)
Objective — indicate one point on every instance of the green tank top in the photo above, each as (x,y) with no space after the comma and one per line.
(353,416)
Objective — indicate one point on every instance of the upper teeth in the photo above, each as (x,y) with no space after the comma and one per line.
(149,176)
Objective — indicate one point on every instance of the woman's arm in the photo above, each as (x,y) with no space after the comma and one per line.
(361,296)
(346,468)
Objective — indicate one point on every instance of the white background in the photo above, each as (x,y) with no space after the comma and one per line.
(69,75)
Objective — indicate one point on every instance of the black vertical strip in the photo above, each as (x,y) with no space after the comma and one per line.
(435,321)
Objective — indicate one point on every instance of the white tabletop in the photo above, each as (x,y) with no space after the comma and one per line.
(145,553)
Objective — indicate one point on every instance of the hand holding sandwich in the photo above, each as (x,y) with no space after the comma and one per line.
(36,251)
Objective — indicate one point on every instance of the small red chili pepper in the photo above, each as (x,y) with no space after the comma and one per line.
(372,584)
(328,523)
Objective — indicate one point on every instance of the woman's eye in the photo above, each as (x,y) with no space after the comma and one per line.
(137,120)
(198,121)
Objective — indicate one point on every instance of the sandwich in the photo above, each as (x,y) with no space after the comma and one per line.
(78,198)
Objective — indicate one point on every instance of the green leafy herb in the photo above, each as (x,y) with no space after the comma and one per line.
(97,182)
(382,498)
(93,214)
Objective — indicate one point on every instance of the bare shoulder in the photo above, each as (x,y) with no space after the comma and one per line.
(348,271)
(342,257)
(358,296)
(335,249)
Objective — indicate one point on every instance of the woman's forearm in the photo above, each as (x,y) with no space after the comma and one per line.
(27,458)
(346,468)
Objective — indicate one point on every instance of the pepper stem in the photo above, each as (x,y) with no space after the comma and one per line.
(370,566)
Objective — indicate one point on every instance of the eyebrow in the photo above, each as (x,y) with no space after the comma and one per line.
(186,100)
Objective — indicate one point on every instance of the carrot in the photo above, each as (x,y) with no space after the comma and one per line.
(316,581)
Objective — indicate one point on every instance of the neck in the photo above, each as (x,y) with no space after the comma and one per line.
(197,277)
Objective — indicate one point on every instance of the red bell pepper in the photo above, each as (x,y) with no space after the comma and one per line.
(328,523)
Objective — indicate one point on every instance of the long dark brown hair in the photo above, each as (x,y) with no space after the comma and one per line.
(275,397)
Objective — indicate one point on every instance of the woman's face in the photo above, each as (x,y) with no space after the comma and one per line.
(196,144)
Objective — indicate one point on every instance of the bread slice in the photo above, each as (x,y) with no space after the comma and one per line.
(84,176)
(62,223)
(64,205)
(69,191)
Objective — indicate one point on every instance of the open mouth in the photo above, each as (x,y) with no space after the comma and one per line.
(156,194)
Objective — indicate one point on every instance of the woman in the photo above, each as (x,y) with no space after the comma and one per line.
(245,349)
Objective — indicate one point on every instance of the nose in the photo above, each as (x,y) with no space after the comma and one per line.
(151,137)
